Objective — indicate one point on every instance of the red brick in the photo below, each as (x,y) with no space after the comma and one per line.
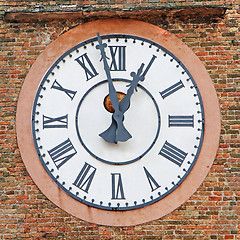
(211,213)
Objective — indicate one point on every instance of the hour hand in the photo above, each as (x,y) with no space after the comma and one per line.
(125,103)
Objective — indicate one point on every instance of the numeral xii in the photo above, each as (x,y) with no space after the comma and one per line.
(118,58)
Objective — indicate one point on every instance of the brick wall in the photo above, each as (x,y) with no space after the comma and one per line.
(213,211)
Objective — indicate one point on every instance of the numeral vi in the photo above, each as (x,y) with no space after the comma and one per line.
(117,186)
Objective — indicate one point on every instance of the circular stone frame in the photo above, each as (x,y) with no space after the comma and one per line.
(24,130)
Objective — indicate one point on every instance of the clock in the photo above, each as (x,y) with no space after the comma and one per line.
(122,120)
(134,156)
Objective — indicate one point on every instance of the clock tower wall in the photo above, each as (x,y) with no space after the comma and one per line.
(209,29)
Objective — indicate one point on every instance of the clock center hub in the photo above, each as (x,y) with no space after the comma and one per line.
(107,102)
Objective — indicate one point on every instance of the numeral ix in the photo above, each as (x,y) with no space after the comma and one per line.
(58,122)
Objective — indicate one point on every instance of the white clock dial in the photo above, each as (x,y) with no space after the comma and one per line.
(165,120)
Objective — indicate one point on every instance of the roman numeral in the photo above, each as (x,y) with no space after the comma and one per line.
(62,153)
(152,182)
(118,56)
(117,186)
(58,122)
(87,66)
(173,153)
(69,92)
(85,177)
(181,121)
(175,87)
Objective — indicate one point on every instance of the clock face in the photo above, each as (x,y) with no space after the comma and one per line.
(162,117)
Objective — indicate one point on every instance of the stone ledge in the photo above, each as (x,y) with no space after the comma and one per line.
(198,14)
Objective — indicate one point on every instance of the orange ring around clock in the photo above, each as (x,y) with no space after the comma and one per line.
(24,129)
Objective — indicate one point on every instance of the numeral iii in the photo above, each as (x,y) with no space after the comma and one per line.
(181,121)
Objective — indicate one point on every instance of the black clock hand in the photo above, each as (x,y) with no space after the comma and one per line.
(110,134)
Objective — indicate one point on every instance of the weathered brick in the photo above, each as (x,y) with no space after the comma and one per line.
(211,213)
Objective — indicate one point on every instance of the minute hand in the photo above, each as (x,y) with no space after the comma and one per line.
(112,90)
(116,131)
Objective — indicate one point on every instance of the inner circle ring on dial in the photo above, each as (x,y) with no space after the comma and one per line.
(123,162)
